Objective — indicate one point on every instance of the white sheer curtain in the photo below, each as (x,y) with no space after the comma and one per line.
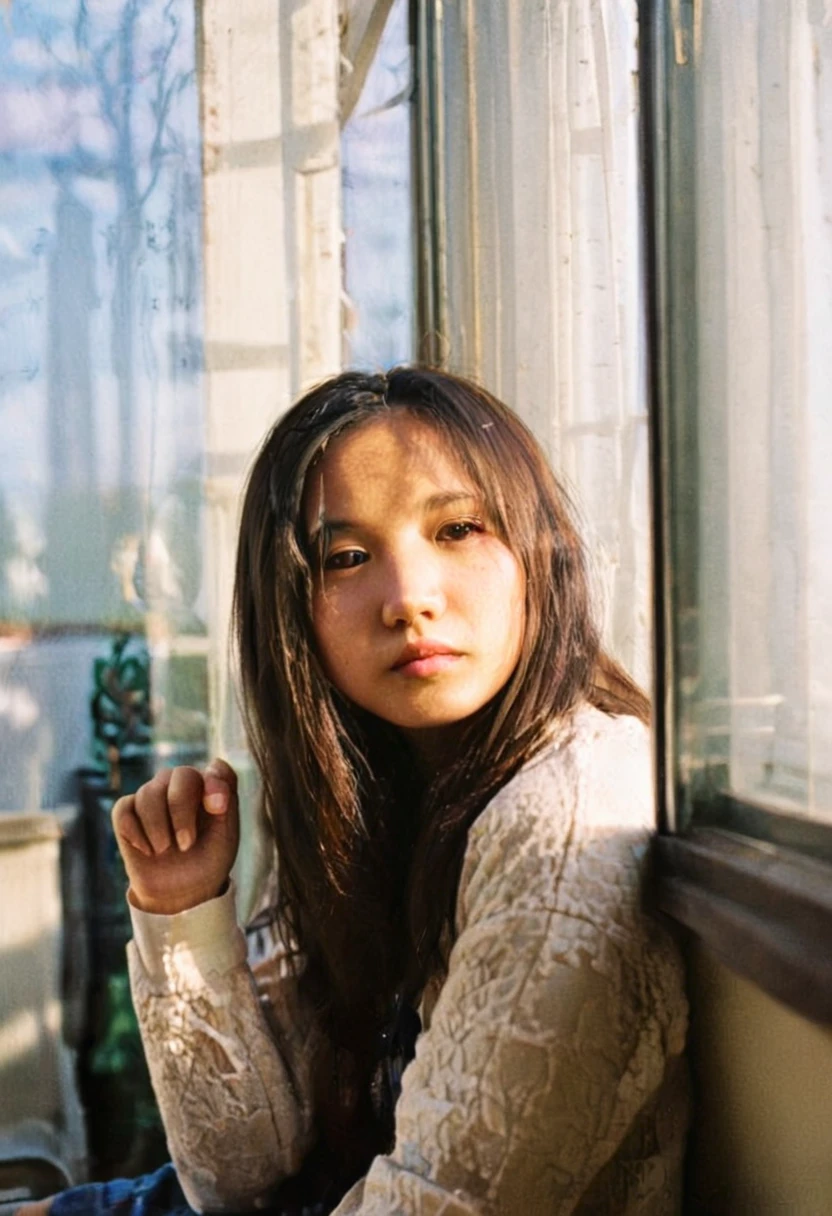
(763,172)
(272,283)
(540,257)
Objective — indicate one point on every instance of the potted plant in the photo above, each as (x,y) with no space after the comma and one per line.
(120,709)
(124,1130)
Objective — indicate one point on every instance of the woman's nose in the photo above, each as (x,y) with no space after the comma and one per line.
(413,590)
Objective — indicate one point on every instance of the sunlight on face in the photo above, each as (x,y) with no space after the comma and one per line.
(419,610)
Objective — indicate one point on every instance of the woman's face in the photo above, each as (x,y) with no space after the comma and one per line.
(419,611)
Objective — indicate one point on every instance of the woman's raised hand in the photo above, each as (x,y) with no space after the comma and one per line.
(178,836)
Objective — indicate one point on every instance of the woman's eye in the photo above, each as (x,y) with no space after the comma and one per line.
(459,529)
(345,559)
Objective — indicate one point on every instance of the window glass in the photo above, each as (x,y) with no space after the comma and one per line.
(100,398)
(378,206)
(749,124)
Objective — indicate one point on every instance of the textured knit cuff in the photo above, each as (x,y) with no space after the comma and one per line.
(189,944)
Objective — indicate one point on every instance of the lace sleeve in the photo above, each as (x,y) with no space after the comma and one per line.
(229,1050)
(546,1079)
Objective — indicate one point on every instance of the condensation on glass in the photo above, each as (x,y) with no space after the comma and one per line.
(750,124)
(377,200)
(101,413)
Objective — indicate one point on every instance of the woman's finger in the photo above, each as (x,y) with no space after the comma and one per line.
(127,828)
(220,787)
(184,798)
(151,810)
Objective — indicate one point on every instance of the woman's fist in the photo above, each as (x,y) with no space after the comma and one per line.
(178,836)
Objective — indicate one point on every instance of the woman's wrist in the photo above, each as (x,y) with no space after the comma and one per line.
(173,905)
(195,942)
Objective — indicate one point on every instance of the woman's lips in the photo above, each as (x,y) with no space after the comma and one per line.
(425,658)
(430,665)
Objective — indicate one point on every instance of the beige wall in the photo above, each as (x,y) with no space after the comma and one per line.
(39,1107)
(762,1142)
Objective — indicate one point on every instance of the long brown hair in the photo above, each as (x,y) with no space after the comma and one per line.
(369,854)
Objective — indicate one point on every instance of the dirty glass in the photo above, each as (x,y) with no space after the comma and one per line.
(378,211)
(101,428)
(749,126)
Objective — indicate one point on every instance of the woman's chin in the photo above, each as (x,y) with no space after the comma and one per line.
(431,714)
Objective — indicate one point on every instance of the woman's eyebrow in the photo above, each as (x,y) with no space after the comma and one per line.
(335,525)
(435,502)
(449,498)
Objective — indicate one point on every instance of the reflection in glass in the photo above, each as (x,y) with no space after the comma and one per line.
(750,122)
(100,350)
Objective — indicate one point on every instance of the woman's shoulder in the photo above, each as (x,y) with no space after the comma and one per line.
(573,823)
(595,766)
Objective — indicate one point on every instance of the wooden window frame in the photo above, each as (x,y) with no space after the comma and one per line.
(754,885)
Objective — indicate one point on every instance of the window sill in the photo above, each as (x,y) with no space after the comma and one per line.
(764,910)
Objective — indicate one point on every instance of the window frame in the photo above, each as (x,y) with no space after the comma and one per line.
(754,884)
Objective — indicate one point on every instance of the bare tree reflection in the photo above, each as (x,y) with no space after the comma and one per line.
(128,67)
(120,77)
(71,567)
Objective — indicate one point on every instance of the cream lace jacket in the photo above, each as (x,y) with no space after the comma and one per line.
(548,1076)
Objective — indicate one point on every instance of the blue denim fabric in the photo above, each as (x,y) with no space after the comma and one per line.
(156,1194)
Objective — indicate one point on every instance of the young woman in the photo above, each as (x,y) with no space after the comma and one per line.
(458,784)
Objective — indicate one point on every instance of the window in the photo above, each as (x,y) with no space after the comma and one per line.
(101,527)
(100,375)
(377,195)
(740,144)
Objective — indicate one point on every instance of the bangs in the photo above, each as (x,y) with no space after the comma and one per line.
(504,463)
